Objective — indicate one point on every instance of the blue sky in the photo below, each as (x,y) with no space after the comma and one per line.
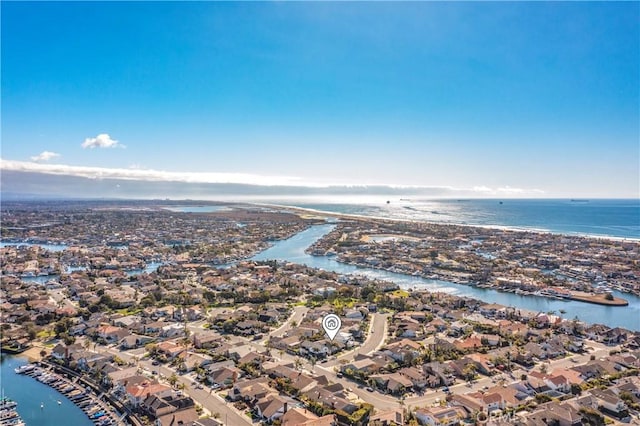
(542,98)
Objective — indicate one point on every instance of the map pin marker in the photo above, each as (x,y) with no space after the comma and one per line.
(331,324)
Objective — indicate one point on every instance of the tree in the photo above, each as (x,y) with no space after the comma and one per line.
(576,389)
(152,348)
(542,398)
(543,368)
(469,371)
(173,379)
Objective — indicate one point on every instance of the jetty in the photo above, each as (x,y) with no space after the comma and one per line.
(598,299)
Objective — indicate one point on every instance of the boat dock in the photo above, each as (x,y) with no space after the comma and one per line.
(97,410)
(8,414)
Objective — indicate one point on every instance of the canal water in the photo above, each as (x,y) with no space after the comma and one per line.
(292,250)
(30,394)
(50,247)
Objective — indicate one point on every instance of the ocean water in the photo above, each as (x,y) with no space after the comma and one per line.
(599,217)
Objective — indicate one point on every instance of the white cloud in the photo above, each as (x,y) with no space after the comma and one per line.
(506,191)
(481,189)
(142,174)
(146,174)
(45,156)
(103,140)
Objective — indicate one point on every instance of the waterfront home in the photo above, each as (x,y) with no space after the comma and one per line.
(61,351)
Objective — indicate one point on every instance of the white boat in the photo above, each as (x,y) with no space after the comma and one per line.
(24,368)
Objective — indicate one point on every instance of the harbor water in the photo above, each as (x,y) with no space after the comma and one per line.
(37,402)
(292,250)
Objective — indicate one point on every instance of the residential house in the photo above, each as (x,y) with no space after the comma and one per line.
(440,416)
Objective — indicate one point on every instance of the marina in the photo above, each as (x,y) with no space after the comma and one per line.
(45,398)
(8,413)
(96,410)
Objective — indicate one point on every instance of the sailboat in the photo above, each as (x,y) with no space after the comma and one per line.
(42,405)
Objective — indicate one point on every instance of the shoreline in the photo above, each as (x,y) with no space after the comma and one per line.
(492,227)
(593,298)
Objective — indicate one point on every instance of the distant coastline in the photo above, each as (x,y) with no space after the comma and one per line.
(344,215)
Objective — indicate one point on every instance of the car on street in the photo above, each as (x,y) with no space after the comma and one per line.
(369,389)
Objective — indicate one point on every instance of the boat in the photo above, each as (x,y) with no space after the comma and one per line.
(59,402)
(24,368)
(42,405)
(7,404)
